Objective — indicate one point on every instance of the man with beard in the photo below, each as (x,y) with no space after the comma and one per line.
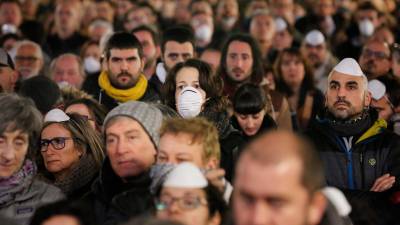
(177,46)
(315,49)
(123,79)
(149,40)
(28,59)
(375,61)
(360,155)
(241,62)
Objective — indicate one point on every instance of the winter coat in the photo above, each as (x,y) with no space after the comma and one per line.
(355,164)
(114,201)
(20,203)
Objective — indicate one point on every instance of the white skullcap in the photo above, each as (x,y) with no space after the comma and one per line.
(186,175)
(315,37)
(349,66)
(56,115)
(337,198)
(280,24)
(377,89)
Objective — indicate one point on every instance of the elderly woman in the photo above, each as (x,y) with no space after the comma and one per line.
(187,197)
(71,151)
(21,193)
(192,90)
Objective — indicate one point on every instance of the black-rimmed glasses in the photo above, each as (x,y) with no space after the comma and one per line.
(58,143)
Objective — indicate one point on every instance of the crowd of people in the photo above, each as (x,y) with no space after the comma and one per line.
(199,112)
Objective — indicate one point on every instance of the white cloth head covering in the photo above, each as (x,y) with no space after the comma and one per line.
(315,37)
(377,89)
(349,66)
(337,198)
(186,175)
(56,115)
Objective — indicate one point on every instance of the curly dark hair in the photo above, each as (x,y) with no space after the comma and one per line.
(212,85)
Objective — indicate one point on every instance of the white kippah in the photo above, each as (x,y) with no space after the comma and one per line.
(377,89)
(349,66)
(280,24)
(186,175)
(315,37)
(56,115)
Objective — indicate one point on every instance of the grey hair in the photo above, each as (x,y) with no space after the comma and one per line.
(77,58)
(102,23)
(38,52)
(20,113)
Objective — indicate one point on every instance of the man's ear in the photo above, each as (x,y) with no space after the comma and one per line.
(317,208)
(367,99)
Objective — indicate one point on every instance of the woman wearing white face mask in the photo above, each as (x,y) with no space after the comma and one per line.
(90,55)
(192,90)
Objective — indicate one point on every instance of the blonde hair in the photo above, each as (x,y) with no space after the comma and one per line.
(201,131)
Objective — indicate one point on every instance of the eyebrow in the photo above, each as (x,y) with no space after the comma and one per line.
(352,83)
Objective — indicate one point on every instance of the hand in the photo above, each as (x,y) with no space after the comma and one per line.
(216,178)
(383,183)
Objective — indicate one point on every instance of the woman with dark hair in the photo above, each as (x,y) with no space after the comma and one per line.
(295,80)
(192,90)
(89,109)
(21,192)
(187,197)
(250,116)
(71,151)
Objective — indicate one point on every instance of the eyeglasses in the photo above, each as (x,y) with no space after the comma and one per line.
(185,203)
(58,143)
(378,55)
(29,59)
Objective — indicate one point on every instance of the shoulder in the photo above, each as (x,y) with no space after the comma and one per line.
(46,192)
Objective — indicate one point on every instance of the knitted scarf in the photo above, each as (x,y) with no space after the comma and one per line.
(121,95)
(80,175)
(11,186)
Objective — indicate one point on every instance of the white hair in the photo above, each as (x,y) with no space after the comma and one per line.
(38,52)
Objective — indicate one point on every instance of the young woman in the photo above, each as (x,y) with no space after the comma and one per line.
(250,116)
(192,90)
(71,151)
(295,80)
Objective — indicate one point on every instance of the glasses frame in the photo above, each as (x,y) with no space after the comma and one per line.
(53,144)
(162,205)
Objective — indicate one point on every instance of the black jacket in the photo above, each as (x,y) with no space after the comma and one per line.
(91,86)
(375,151)
(114,201)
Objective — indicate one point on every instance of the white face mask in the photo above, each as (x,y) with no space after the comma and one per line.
(203,33)
(91,64)
(366,27)
(229,21)
(189,102)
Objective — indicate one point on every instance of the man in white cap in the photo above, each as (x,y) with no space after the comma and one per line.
(8,77)
(316,50)
(380,101)
(361,157)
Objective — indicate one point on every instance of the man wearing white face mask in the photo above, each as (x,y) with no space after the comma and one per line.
(366,20)
(203,26)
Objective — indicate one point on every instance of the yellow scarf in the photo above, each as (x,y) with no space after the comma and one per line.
(120,95)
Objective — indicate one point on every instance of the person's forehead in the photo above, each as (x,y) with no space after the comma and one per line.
(67,62)
(262,18)
(377,46)
(115,52)
(174,46)
(122,124)
(143,35)
(27,49)
(239,46)
(344,78)
(180,192)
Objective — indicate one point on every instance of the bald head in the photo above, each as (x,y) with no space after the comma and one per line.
(277,148)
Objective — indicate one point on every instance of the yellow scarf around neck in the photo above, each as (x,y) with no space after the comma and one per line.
(121,95)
